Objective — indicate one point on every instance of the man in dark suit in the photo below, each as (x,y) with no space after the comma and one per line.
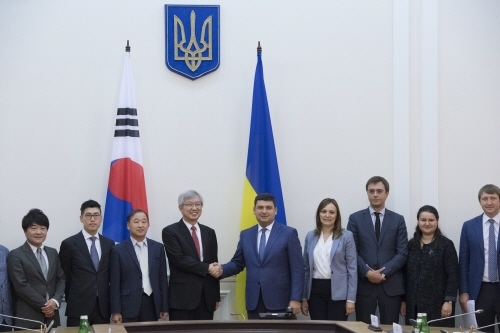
(272,255)
(36,274)
(139,283)
(191,248)
(85,261)
(479,259)
(6,303)
(381,242)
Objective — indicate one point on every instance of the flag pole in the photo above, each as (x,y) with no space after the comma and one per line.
(259,48)
(127,48)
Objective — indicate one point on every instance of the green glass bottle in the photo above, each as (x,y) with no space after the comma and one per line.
(84,325)
(425,327)
(418,324)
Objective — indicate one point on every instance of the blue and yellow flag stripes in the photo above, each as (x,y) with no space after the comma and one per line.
(262,174)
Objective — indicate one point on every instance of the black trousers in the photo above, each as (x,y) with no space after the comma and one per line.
(201,312)
(147,311)
(95,317)
(261,308)
(5,328)
(488,300)
(388,306)
(321,305)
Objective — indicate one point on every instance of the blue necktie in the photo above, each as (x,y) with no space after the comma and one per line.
(93,253)
(492,253)
(262,245)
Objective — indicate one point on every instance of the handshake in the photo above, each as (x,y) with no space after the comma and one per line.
(215,269)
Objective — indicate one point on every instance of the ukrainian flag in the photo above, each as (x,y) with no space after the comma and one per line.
(262,174)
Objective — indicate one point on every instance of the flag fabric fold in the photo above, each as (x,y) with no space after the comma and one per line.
(126,185)
(262,173)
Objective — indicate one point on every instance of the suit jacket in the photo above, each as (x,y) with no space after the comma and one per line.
(5,293)
(471,257)
(390,251)
(343,266)
(280,276)
(126,279)
(83,283)
(30,286)
(188,275)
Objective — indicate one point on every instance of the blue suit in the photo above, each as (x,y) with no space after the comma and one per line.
(471,257)
(5,293)
(280,276)
(343,265)
(126,279)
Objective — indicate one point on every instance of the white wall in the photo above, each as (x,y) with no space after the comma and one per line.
(328,68)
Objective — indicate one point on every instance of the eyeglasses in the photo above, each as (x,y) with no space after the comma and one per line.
(191,205)
(89,216)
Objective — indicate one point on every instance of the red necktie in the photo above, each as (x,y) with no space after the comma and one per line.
(195,240)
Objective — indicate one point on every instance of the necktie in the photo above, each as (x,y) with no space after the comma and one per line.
(143,262)
(195,240)
(492,253)
(262,245)
(41,261)
(377,224)
(93,253)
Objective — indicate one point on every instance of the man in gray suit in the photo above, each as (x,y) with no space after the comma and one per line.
(381,242)
(36,274)
(5,294)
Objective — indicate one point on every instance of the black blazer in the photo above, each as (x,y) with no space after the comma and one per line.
(126,279)
(31,288)
(82,280)
(188,275)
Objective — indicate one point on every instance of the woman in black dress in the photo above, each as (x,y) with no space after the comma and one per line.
(431,272)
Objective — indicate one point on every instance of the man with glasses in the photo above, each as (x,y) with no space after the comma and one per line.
(85,259)
(191,249)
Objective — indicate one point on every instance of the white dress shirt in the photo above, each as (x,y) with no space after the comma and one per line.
(259,234)
(321,268)
(374,218)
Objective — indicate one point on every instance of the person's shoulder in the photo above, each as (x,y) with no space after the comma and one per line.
(310,234)
(347,234)
(205,227)
(154,243)
(359,213)
(4,249)
(173,226)
(392,213)
(104,239)
(477,219)
(73,237)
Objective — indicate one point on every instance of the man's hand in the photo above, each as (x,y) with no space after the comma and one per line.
(375,276)
(402,309)
(446,310)
(117,318)
(305,307)
(49,308)
(215,269)
(349,308)
(295,305)
(217,305)
(464,298)
(163,315)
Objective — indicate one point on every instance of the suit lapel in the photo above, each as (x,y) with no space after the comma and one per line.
(312,245)
(204,239)
(369,225)
(81,244)
(52,258)
(150,256)
(275,233)
(335,245)
(253,236)
(478,230)
(31,256)
(131,251)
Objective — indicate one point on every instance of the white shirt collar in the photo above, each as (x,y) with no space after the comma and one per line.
(86,235)
(486,218)
(382,211)
(189,225)
(269,227)
(34,248)
(134,241)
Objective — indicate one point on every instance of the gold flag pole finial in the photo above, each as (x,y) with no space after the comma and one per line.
(259,48)
(127,48)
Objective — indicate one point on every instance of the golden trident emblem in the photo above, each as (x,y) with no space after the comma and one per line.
(193,54)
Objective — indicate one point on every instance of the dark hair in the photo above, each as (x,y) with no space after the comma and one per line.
(35,216)
(135,211)
(488,189)
(337,226)
(265,197)
(378,179)
(417,236)
(89,204)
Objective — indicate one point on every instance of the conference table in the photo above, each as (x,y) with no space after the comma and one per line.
(247,326)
